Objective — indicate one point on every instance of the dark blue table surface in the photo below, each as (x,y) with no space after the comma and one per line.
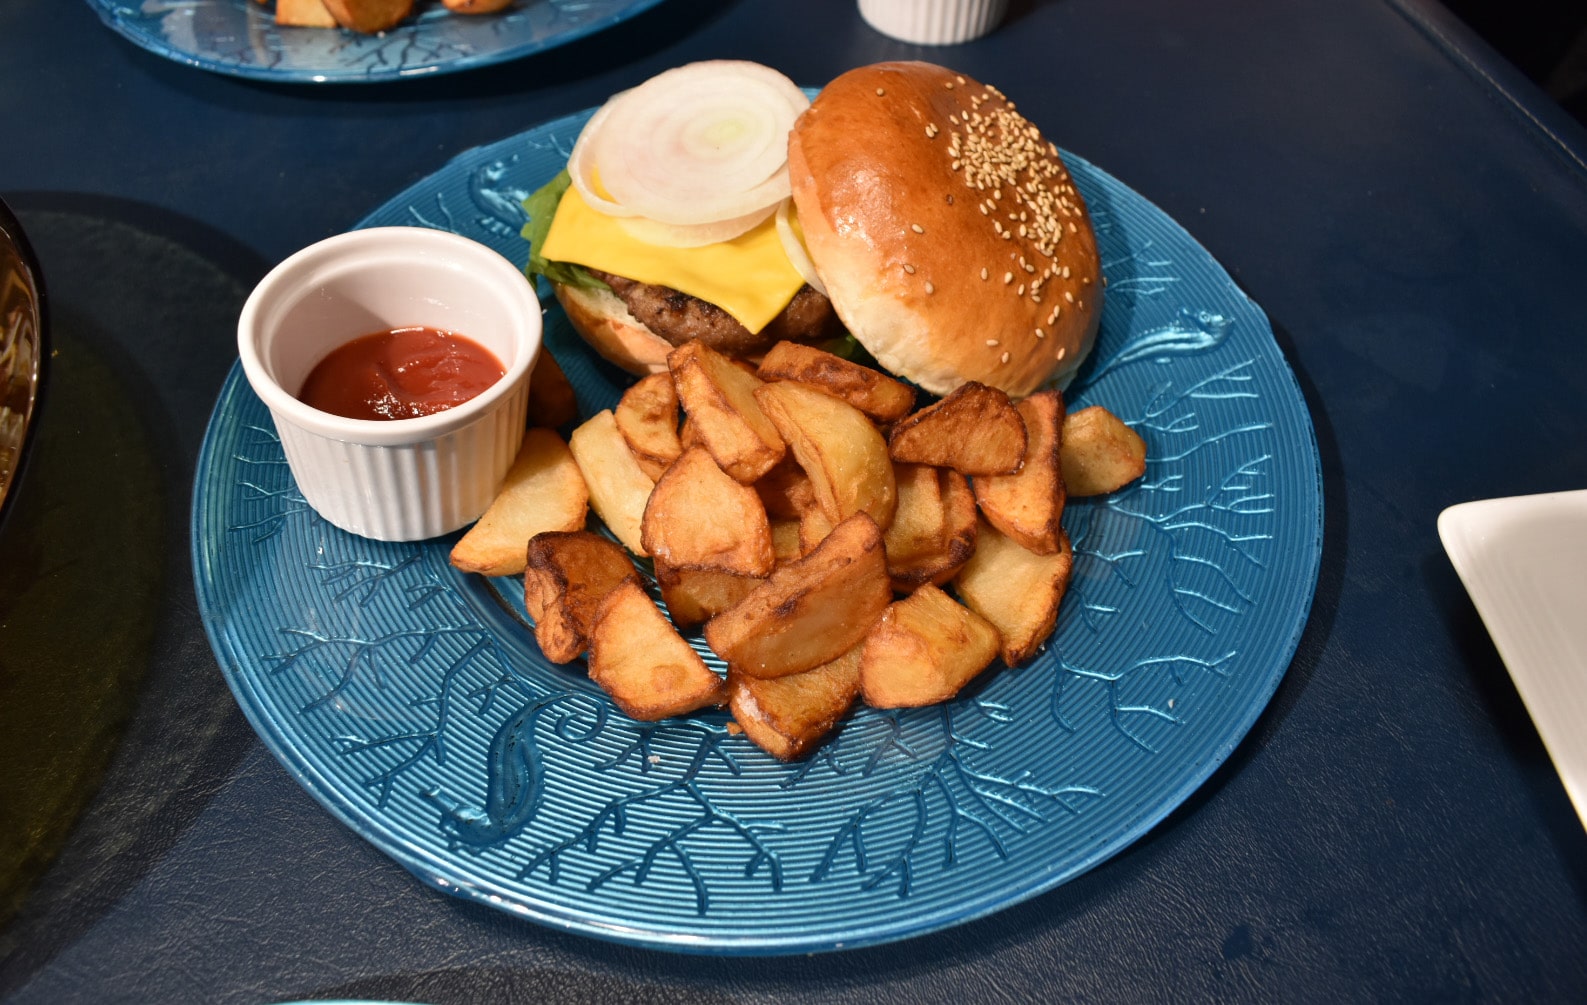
(1410,212)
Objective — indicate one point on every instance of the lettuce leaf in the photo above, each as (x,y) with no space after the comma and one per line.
(541,206)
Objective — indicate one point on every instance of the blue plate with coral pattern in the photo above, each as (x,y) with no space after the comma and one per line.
(240,38)
(412,702)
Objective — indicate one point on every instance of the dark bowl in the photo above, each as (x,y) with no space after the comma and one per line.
(24,351)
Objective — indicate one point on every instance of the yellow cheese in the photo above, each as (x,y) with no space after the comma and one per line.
(750,276)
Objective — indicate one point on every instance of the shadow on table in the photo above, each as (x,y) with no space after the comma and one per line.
(115,725)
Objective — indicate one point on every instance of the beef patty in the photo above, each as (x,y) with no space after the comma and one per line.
(679,318)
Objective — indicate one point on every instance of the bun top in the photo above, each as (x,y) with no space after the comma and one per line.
(948,233)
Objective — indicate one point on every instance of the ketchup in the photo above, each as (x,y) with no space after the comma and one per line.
(401,373)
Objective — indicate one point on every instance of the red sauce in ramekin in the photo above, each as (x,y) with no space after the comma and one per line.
(402,373)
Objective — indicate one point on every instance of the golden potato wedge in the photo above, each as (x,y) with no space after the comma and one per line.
(566,577)
(476,6)
(975,430)
(643,664)
(552,403)
(647,416)
(871,391)
(840,450)
(785,540)
(785,490)
(923,650)
(810,611)
(789,715)
(369,16)
(1015,589)
(1028,504)
(719,397)
(694,595)
(619,487)
(303,14)
(933,531)
(698,516)
(543,491)
(813,529)
(1100,453)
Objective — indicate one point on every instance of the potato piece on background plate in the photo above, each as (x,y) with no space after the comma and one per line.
(875,393)
(933,531)
(698,516)
(840,449)
(544,490)
(1028,504)
(619,487)
(369,16)
(695,594)
(1015,589)
(566,578)
(476,6)
(1100,453)
(923,650)
(552,403)
(647,416)
(975,430)
(811,611)
(789,715)
(719,397)
(643,664)
(304,14)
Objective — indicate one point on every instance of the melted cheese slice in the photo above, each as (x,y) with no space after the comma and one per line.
(750,276)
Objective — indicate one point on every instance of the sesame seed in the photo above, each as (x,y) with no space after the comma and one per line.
(983,210)
(880,92)
(1040,333)
(950,201)
(1062,352)
(1080,305)
(983,273)
(1021,291)
(991,341)
(1028,268)
(1069,296)
(948,84)
(959,78)
(930,288)
(1004,357)
(917,228)
(1066,272)
(1008,277)
(909,269)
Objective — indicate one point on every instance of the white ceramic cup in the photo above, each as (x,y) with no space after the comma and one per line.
(934,22)
(399,479)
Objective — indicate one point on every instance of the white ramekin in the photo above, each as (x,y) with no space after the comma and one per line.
(402,479)
(933,22)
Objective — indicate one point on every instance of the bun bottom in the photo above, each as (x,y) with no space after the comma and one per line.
(603,321)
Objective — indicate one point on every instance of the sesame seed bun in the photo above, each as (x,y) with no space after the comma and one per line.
(605,323)
(910,181)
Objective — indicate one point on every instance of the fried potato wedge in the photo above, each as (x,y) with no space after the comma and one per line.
(814,526)
(694,594)
(1015,589)
(923,650)
(875,393)
(566,577)
(719,397)
(786,542)
(1100,453)
(786,490)
(552,403)
(975,430)
(643,664)
(476,6)
(698,516)
(933,531)
(788,716)
(1028,504)
(304,14)
(369,16)
(839,448)
(810,611)
(619,487)
(647,416)
(543,490)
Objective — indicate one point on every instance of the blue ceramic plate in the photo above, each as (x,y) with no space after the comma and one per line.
(240,37)
(411,700)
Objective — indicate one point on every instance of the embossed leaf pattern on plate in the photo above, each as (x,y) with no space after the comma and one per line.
(412,701)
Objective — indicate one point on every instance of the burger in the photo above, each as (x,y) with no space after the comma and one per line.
(918,216)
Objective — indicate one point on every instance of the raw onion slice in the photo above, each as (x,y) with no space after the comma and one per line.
(673,235)
(794,246)
(701,143)
(581,166)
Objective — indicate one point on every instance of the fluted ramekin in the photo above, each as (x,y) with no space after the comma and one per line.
(934,22)
(399,479)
